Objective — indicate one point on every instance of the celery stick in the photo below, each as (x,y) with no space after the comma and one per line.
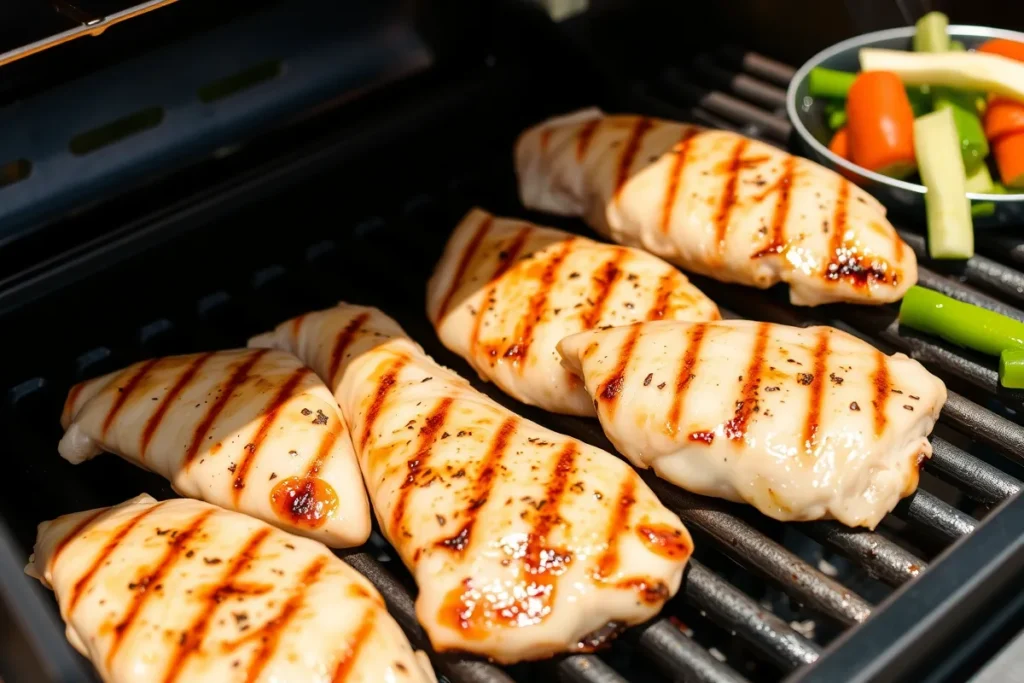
(822,82)
(837,119)
(965,70)
(931,35)
(957,46)
(983,209)
(973,145)
(936,145)
(980,182)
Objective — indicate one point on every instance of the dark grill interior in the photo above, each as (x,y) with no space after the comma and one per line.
(760,599)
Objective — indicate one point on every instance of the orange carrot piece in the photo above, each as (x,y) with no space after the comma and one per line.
(1009,154)
(840,144)
(1006,48)
(1003,117)
(880,121)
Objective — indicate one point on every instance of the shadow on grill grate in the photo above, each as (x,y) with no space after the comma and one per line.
(759,600)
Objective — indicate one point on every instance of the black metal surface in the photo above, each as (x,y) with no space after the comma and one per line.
(236,279)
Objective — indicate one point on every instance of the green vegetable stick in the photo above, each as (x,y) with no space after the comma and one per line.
(837,119)
(973,145)
(963,324)
(983,209)
(957,46)
(1011,368)
(824,82)
(937,148)
(931,35)
(980,181)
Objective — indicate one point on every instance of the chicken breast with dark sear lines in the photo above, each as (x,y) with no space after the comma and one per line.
(524,543)
(506,291)
(718,204)
(253,431)
(182,590)
(802,423)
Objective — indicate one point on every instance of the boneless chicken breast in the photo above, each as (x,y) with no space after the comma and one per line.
(802,423)
(524,543)
(181,590)
(716,203)
(506,291)
(249,430)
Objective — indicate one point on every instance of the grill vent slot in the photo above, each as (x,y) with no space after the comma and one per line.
(119,129)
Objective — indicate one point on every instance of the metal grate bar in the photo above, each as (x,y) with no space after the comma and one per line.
(985,426)
(741,84)
(669,647)
(883,559)
(729,607)
(586,669)
(750,547)
(981,481)
(758,65)
(924,508)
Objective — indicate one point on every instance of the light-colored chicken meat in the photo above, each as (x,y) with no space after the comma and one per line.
(182,590)
(802,423)
(716,203)
(506,291)
(248,430)
(524,543)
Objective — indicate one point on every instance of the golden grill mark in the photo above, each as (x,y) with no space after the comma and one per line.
(341,344)
(124,392)
(239,376)
(355,646)
(460,272)
(507,257)
(629,152)
(777,241)
(153,423)
(586,134)
(69,403)
(78,590)
(611,273)
(520,350)
(608,562)
(194,635)
(482,486)
(661,307)
(682,151)
(150,583)
(384,386)
(686,374)
(74,533)
(736,428)
(612,387)
(270,413)
(883,387)
(729,194)
(817,386)
(427,436)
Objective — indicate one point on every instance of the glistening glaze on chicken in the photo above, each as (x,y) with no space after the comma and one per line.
(523,542)
(506,291)
(802,423)
(718,204)
(249,430)
(183,591)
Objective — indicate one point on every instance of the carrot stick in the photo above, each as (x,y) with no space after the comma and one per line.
(880,121)
(840,145)
(1009,154)
(1003,117)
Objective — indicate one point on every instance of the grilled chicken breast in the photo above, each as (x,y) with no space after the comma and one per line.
(802,423)
(524,543)
(506,291)
(249,430)
(182,590)
(718,204)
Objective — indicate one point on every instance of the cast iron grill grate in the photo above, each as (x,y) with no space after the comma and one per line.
(760,600)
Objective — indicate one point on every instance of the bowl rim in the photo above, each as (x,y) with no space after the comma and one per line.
(864,40)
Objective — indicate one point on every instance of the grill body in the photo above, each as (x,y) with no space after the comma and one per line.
(354,200)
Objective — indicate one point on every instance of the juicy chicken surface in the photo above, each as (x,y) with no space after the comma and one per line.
(802,423)
(248,430)
(523,542)
(506,291)
(182,590)
(718,204)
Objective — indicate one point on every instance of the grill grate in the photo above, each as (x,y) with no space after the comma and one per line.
(739,554)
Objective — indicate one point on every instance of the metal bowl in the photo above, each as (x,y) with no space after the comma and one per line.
(808,118)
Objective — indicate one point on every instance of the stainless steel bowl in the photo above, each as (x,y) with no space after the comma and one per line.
(808,118)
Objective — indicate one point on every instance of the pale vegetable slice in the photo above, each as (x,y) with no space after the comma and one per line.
(936,145)
(967,70)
